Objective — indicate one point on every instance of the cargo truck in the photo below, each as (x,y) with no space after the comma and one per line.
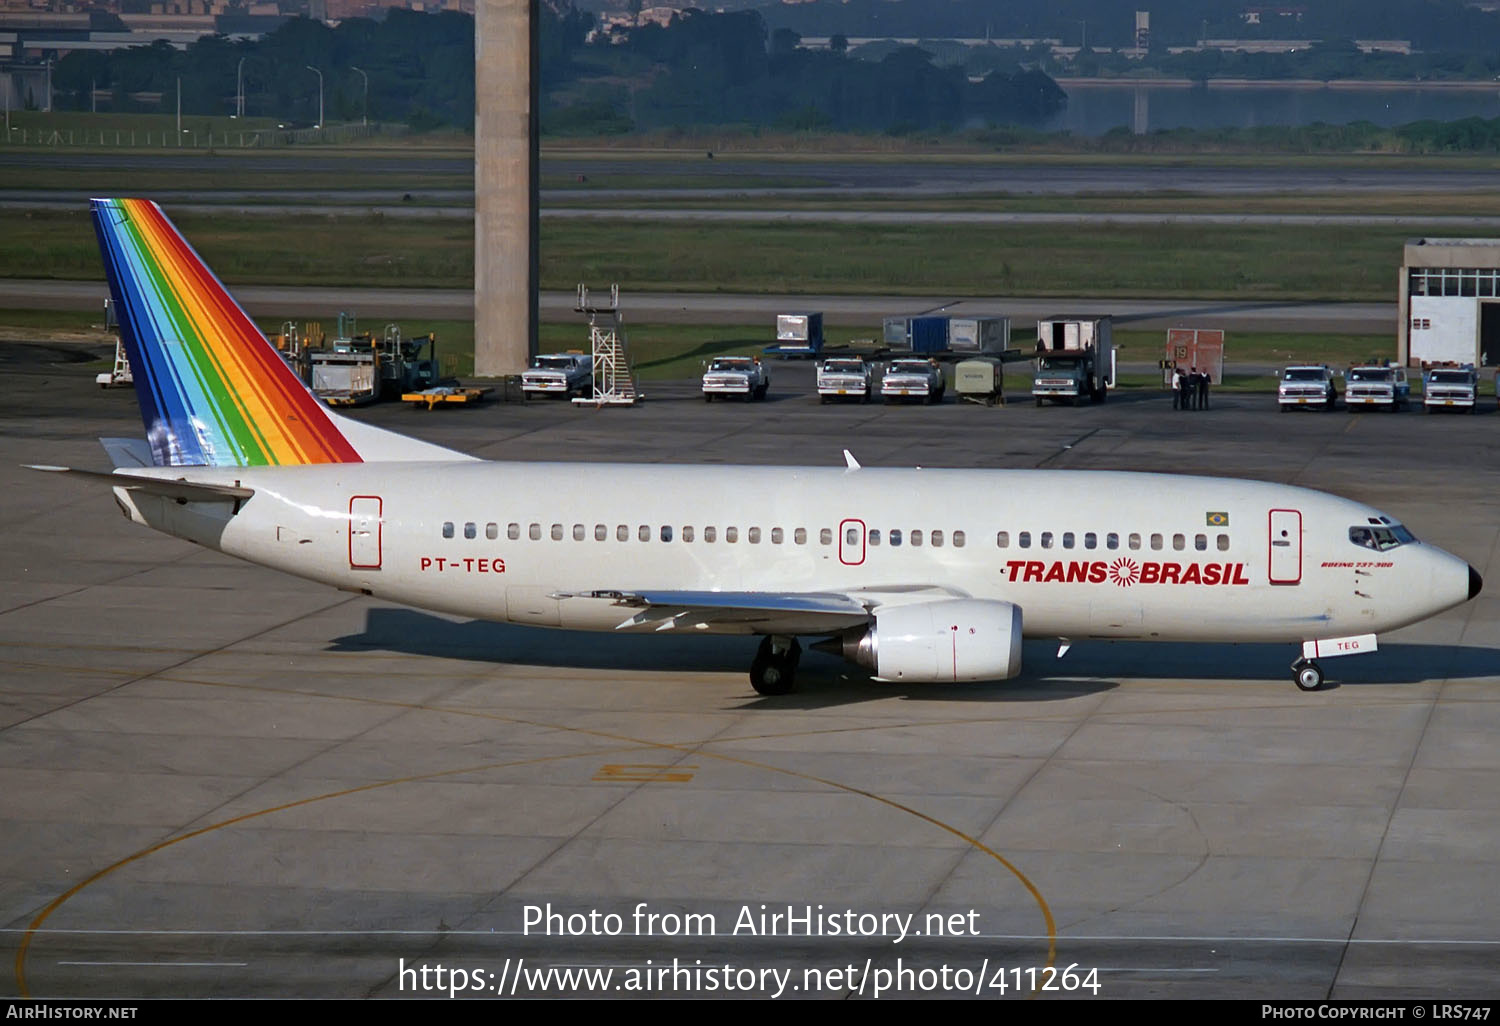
(1075,357)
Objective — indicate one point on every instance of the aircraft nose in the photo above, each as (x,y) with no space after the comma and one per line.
(1476,583)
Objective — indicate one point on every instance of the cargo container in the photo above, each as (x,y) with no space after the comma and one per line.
(929,334)
(797,334)
(978,334)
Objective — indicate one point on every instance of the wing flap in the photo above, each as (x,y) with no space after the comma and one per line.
(753,611)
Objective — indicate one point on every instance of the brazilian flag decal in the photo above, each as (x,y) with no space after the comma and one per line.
(1218,520)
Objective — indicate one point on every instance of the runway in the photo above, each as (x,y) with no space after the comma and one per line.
(279,301)
(220,781)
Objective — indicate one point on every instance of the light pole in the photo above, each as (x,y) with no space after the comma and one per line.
(364,104)
(315,71)
(239,89)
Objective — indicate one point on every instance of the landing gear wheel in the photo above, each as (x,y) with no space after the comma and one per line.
(1307,675)
(774,669)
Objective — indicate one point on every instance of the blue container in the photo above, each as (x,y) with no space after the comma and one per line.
(929,334)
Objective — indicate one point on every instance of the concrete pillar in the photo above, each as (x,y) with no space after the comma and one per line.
(505,186)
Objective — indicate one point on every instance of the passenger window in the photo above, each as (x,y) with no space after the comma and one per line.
(1024,539)
(470,531)
(643,533)
(1091,540)
(687,534)
(1002,540)
(1046,539)
(753,536)
(1135,540)
(1179,542)
(1200,542)
(825,536)
(958,539)
(895,537)
(534,532)
(1067,539)
(578,532)
(557,532)
(666,533)
(874,537)
(916,539)
(800,536)
(937,539)
(776,536)
(1156,541)
(601,533)
(622,532)
(851,536)
(1223,543)
(447,529)
(512,531)
(731,534)
(710,534)
(1111,540)
(492,531)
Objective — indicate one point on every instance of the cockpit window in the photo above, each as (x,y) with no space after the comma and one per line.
(1381,539)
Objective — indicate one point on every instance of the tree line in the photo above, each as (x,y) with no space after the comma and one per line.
(704,69)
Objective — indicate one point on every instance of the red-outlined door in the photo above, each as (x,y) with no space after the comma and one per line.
(1284,564)
(364,532)
(852,542)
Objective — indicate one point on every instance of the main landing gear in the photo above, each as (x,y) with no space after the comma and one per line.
(774,669)
(1307,675)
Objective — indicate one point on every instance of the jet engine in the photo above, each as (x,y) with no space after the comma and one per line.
(961,639)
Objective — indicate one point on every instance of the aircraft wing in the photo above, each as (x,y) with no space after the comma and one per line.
(753,612)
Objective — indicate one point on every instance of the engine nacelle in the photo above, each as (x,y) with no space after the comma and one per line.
(960,639)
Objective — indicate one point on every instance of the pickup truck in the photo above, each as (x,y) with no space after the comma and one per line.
(1306,385)
(909,378)
(559,374)
(1450,388)
(845,377)
(743,376)
(1377,385)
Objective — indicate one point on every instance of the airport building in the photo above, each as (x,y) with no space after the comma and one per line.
(1449,308)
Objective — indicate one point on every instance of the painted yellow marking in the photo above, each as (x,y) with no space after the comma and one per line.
(643,773)
(695,749)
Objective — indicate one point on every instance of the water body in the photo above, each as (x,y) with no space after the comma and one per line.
(1095,109)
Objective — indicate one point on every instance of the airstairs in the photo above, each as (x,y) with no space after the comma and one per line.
(614,384)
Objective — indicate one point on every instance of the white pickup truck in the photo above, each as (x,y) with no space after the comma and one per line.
(1306,385)
(560,374)
(1450,388)
(845,377)
(912,378)
(742,376)
(1379,385)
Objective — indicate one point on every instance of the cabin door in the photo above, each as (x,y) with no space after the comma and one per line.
(364,532)
(1285,562)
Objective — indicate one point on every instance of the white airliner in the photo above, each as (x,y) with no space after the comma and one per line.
(918,575)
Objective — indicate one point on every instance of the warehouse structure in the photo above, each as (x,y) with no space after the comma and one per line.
(1449,302)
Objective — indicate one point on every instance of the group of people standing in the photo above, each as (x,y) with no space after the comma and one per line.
(1189,389)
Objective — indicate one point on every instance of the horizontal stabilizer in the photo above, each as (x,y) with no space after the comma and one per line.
(187,491)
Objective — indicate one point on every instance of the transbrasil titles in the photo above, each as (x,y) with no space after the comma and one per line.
(1124,572)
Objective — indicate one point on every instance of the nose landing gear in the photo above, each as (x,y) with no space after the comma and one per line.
(1307,675)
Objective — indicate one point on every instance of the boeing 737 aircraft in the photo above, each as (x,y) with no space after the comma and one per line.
(918,575)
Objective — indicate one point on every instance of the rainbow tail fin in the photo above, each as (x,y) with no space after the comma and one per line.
(213,391)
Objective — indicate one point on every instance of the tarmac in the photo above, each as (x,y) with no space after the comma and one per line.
(216,780)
